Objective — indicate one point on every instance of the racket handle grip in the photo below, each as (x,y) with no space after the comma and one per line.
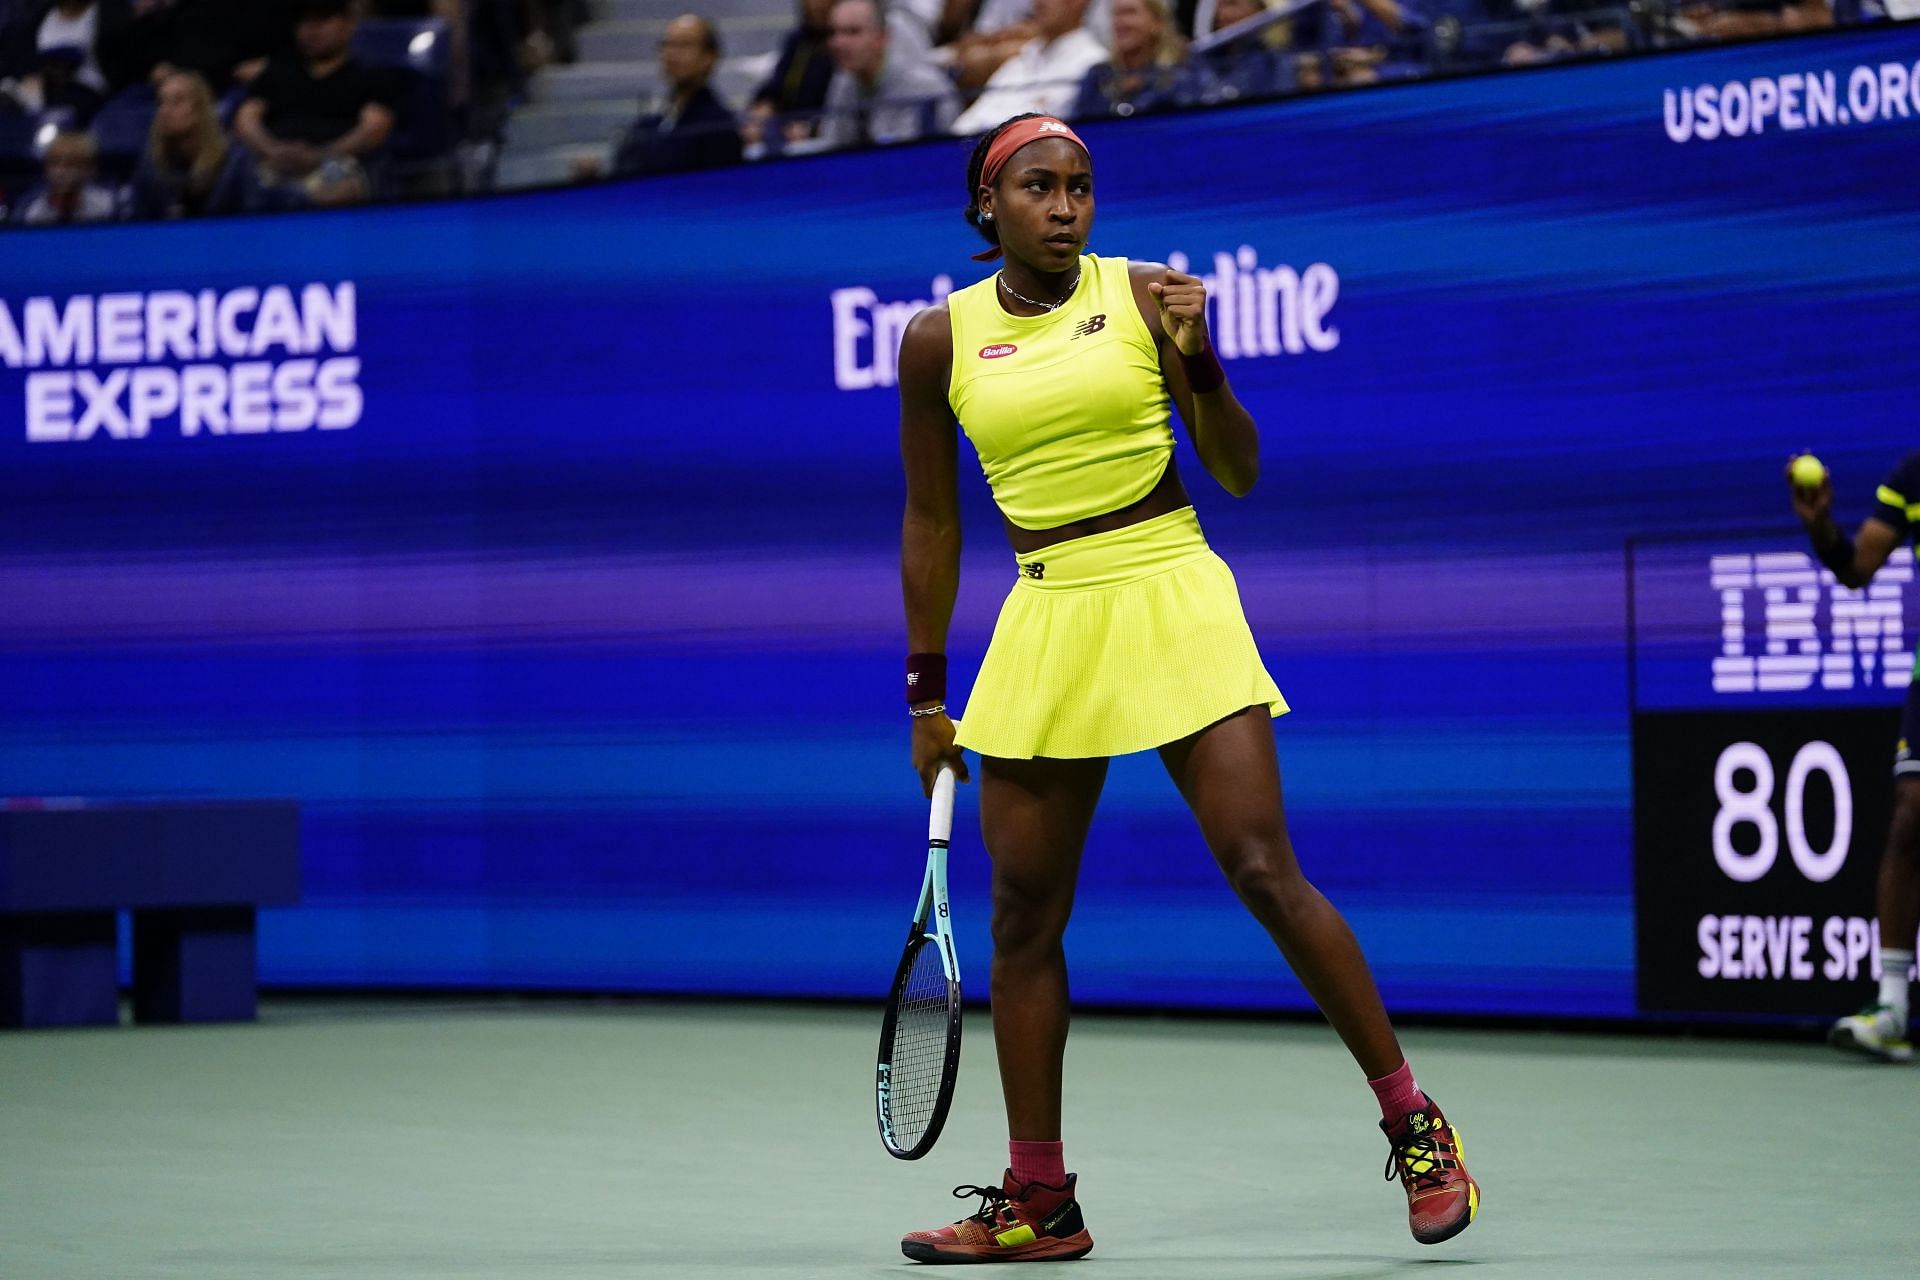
(940,820)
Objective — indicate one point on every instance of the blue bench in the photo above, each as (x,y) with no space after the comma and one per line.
(193,876)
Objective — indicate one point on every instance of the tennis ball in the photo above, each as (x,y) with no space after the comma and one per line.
(1808,472)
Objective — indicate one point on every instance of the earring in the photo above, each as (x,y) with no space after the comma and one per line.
(986,217)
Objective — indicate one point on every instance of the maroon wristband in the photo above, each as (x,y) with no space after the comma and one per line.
(926,677)
(1204,373)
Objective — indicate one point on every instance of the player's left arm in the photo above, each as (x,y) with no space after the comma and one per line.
(1174,305)
(1854,561)
(1872,547)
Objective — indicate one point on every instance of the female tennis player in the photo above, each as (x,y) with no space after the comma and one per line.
(1123,632)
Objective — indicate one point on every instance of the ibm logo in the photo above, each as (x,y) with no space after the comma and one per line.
(1812,627)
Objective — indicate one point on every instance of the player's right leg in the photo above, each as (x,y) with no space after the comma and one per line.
(1034,816)
(1882,1029)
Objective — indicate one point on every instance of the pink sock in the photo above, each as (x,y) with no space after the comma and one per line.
(1037,1162)
(1399,1096)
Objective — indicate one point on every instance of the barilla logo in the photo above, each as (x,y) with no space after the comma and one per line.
(995,352)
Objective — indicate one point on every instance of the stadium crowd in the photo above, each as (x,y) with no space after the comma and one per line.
(115,109)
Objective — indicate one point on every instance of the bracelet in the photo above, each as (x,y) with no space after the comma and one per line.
(1837,555)
(926,677)
(937,709)
(1204,373)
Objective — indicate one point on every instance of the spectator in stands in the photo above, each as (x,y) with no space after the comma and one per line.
(916,27)
(1253,65)
(1149,70)
(551,26)
(1001,28)
(498,60)
(227,42)
(690,128)
(452,14)
(1558,30)
(69,193)
(189,166)
(1559,44)
(1740,19)
(1354,36)
(1045,75)
(979,52)
(791,96)
(877,95)
(61,55)
(498,44)
(315,121)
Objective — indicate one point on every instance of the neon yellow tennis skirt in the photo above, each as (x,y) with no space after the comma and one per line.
(1114,643)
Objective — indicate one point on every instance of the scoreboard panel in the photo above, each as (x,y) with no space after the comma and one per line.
(1766,707)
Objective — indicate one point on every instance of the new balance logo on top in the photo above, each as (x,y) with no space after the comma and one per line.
(1092,324)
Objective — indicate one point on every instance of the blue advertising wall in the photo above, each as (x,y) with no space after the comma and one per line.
(544,546)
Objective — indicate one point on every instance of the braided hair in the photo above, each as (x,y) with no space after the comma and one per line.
(988,231)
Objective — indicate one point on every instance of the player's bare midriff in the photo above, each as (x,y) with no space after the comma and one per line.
(1168,494)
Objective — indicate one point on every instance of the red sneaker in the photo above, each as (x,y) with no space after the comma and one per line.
(1442,1197)
(1017,1222)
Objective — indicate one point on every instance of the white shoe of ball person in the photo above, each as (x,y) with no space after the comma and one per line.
(1875,1031)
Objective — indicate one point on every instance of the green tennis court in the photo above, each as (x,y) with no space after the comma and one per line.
(549,1139)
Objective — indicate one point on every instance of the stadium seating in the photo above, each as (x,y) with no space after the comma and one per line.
(121,131)
(562,113)
(20,143)
(420,54)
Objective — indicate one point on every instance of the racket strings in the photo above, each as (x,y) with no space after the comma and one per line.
(919,1047)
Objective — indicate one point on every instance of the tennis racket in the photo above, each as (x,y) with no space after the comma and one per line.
(920,1035)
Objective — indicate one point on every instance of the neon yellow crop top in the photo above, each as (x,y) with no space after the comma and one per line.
(1067,410)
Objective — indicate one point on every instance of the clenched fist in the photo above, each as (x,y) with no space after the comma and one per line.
(1183,310)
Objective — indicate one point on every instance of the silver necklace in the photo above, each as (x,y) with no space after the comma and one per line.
(1032,302)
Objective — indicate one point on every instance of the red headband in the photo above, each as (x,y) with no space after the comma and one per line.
(1011,139)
